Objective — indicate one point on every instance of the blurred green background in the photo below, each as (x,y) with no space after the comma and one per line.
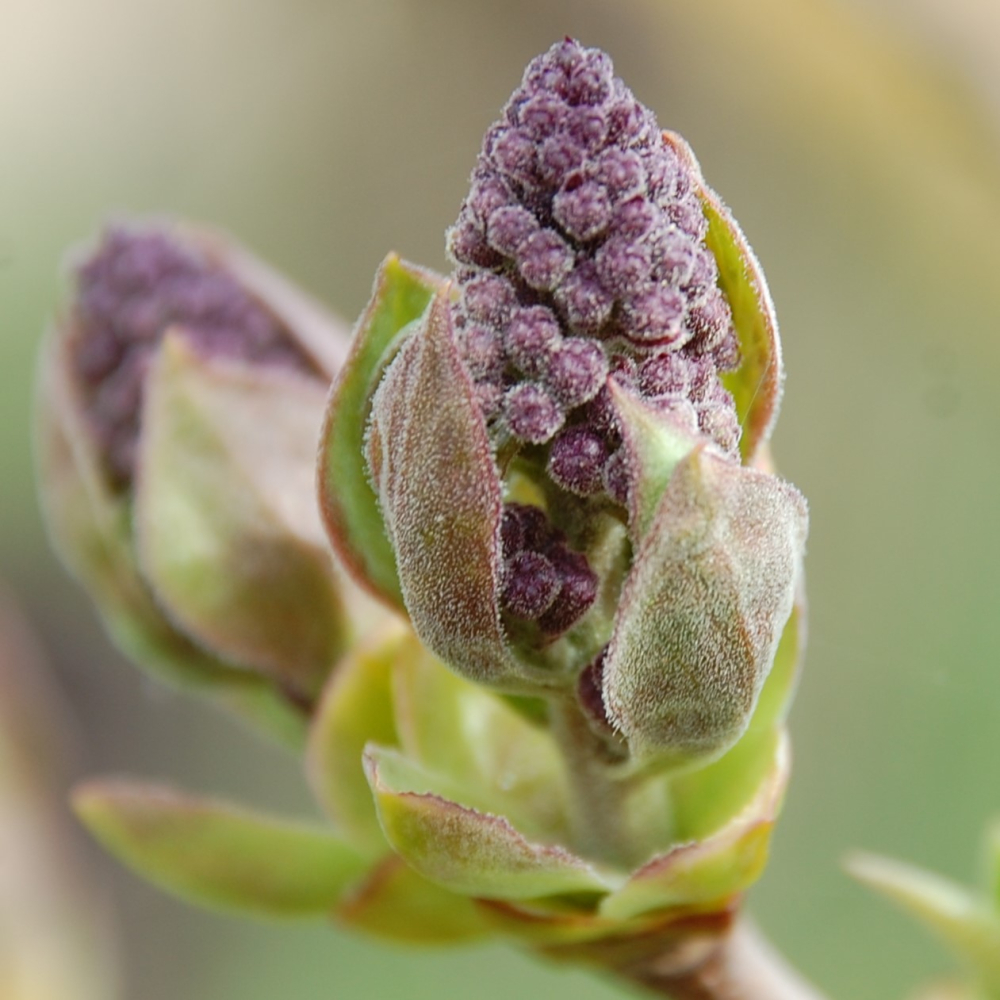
(857,143)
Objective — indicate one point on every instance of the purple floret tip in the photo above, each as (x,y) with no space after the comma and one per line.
(581,260)
(129,291)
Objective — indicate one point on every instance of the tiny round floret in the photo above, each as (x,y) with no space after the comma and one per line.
(576,371)
(531,585)
(531,413)
(577,459)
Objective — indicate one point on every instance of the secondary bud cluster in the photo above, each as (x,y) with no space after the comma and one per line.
(581,254)
(135,286)
(544,579)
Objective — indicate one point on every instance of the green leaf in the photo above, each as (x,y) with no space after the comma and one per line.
(707,798)
(501,762)
(776,695)
(654,445)
(756,385)
(91,527)
(701,613)
(712,869)
(395,902)
(356,707)
(957,916)
(227,530)
(217,854)
(439,492)
(463,849)
(347,501)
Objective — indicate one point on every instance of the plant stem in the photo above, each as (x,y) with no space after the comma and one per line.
(742,967)
(598,813)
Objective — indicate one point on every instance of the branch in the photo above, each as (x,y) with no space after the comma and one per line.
(743,967)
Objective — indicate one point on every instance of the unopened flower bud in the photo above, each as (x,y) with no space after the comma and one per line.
(181,397)
(568,379)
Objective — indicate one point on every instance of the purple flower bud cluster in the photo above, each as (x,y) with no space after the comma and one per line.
(580,255)
(544,580)
(130,290)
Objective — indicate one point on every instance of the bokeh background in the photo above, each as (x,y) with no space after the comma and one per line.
(857,143)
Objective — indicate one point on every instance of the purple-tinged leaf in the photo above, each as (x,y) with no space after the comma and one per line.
(463,849)
(757,384)
(708,870)
(347,502)
(439,492)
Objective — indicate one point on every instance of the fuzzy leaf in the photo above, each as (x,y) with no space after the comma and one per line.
(504,763)
(356,707)
(955,915)
(463,849)
(757,384)
(776,695)
(347,501)
(439,492)
(702,610)
(705,799)
(654,445)
(227,531)
(91,528)
(395,902)
(708,870)
(216,854)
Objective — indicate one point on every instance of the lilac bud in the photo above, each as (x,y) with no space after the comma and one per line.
(590,79)
(467,243)
(585,301)
(620,171)
(655,318)
(489,192)
(530,586)
(514,153)
(482,352)
(622,264)
(508,227)
(544,259)
(532,338)
(131,290)
(634,219)
(588,126)
(577,459)
(531,413)
(559,156)
(542,114)
(615,476)
(576,371)
(577,592)
(664,374)
(528,526)
(583,211)
(488,298)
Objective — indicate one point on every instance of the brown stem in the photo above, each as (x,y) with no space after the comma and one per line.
(741,967)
